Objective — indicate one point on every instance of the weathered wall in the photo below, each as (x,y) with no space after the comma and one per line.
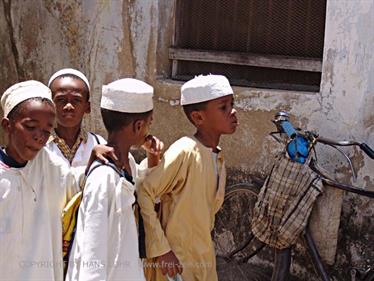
(112,39)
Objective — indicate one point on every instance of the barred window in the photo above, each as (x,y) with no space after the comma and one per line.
(259,43)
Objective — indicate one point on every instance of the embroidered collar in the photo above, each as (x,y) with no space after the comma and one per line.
(68,152)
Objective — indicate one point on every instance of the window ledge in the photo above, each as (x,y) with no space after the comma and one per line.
(176,84)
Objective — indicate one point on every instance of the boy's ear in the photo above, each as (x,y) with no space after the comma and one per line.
(5,124)
(88,108)
(137,125)
(197,117)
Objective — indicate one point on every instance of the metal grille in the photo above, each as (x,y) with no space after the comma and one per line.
(270,27)
(278,27)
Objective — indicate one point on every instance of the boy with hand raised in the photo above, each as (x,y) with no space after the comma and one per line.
(190,181)
(106,242)
(34,186)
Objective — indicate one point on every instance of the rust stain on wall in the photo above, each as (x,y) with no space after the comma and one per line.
(126,55)
(151,54)
(68,13)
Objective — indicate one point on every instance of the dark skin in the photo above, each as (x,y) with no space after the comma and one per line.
(29,131)
(135,134)
(218,118)
(71,98)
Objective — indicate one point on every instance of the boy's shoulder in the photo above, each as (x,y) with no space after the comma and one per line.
(184,144)
(189,145)
(44,165)
(95,138)
(99,171)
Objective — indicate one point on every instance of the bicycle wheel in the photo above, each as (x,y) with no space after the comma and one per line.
(232,233)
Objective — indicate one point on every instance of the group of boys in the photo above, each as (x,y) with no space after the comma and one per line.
(178,193)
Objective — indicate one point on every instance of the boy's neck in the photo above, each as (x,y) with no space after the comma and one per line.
(10,158)
(208,139)
(69,135)
(121,147)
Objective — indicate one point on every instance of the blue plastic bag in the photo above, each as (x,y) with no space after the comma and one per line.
(298,149)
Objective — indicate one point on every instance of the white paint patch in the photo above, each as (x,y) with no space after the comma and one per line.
(172,102)
(142,23)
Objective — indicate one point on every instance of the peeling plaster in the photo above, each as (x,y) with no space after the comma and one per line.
(141,26)
(113,39)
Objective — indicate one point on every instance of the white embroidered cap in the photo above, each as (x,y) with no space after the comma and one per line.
(22,91)
(127,95)
(204,88)
(69,71)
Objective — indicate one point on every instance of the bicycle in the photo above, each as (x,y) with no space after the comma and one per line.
(234,238)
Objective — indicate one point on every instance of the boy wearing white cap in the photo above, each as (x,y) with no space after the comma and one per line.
(106,241)
(71,95)
(190,181)
(34,187)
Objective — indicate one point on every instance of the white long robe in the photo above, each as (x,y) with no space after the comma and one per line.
(106,242)
(31,202)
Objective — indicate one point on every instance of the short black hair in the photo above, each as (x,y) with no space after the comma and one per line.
(19,108)
(69,75)
(189,108)
(115,120)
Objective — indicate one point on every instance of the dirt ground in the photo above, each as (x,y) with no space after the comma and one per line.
(243,272)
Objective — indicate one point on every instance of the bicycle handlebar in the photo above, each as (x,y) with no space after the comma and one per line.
(288,129)
(285,126)
(364,147)
(334,142)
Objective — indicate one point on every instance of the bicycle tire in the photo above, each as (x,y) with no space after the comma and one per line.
(232,233)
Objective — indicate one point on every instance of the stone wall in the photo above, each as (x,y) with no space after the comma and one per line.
(112,39)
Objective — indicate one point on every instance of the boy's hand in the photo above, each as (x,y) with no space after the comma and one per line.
(102,153)
(154,147)
(169,264)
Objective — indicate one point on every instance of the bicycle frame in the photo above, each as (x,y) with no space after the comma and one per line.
(242,250)
(282,257)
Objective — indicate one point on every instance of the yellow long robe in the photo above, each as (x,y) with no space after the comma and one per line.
(191,187)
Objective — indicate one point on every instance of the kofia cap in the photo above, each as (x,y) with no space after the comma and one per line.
(22,91)
(127,95)
(204,88)
(69,71)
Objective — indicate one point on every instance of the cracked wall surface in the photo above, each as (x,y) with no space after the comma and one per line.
(130,38)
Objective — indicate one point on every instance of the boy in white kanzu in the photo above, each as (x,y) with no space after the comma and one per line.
(106,242)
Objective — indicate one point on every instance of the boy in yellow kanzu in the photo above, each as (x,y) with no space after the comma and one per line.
(190,182)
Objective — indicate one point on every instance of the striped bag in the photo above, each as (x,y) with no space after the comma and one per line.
(285,202)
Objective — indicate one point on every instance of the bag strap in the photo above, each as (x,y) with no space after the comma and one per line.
(111,165)
(96,137)
(141,230)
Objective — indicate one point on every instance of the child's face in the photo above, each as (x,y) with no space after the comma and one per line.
(29,131)
(219,116)
(71,99)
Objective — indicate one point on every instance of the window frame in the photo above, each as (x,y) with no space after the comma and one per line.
(176,55)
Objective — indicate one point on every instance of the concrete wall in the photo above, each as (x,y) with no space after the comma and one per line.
(112,39)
